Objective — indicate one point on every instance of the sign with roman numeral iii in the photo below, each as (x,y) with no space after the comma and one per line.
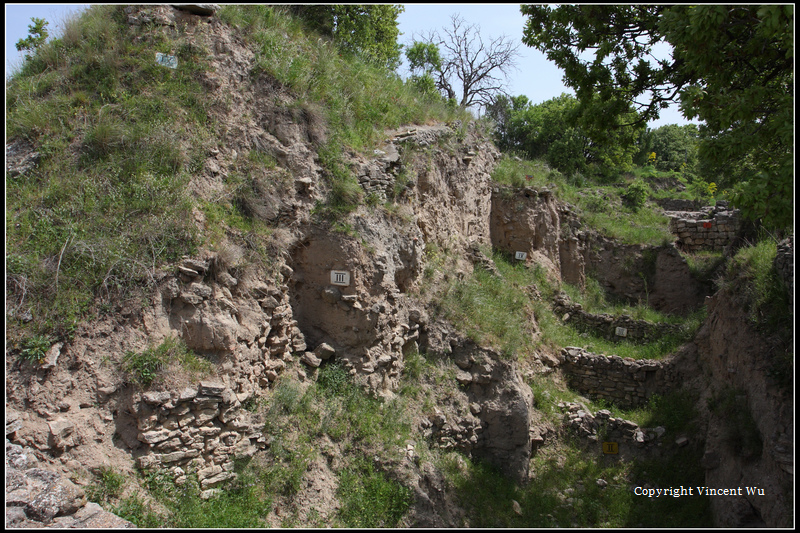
(340,277)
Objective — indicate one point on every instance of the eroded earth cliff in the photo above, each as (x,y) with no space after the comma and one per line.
(353,294)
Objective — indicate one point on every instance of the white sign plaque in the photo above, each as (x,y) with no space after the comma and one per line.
(166,60)
(340,277)
(521,255)
(622,332)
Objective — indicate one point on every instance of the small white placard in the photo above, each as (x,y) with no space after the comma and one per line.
(521,255)
(166,60)
(340,277)
(622,332)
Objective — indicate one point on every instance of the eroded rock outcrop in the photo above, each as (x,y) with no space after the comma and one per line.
(40,497)
(750,441)
(497,406)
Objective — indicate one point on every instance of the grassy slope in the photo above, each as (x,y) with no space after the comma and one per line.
(94,105)
(120,136)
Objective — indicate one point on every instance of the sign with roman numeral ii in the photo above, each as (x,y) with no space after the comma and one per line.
(340,277)
(611,448)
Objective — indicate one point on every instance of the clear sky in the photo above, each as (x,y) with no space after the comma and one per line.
(536,77)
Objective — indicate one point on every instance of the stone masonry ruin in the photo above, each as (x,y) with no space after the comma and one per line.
(618,328)
(710,229)
(625,382)
(198,430)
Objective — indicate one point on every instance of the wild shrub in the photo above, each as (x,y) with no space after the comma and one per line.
(35,348)
(143,368)
(636,194)
(108,486)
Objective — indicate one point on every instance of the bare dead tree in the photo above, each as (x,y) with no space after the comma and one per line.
(478,68)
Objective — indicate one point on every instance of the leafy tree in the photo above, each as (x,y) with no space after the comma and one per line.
(465,67)
(551,131)
(731,66)
(424,60)
(367,30)
(500,110)
(674,146)
(37,35)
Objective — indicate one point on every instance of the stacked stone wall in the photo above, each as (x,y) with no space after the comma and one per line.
(623,327)
(625,382)
(711,229)
(198,430)
(626,433)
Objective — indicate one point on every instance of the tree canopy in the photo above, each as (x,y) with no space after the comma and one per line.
(731,67)
(367,30)
(674,146)
(463,65)
(37,35)
(550,131)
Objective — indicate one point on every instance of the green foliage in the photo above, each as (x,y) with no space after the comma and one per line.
(345,192)
(753,279)
(424,60)
(35,348)
(672,148)
(746,105)
(552,131)
(601,207)
(524,173)
(369,31)
(700,189)
(239,504)
(369,498)
(37,35)
(145,367)
(135,510)
(493,311)
(563,491)
(108,486)
(69,219)
(467,69)
(636,194)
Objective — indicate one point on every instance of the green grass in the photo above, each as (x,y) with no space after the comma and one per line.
(108,200)
(109,485)
(297,417)
(563,491)
(752,277)
(369,498)
(492,311)
(594,299)
(146,367)
(601,207)
(497,312)
(120,138)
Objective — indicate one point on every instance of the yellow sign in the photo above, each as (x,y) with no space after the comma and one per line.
(611,448)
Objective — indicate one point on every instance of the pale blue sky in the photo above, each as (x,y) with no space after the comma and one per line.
(536,77)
